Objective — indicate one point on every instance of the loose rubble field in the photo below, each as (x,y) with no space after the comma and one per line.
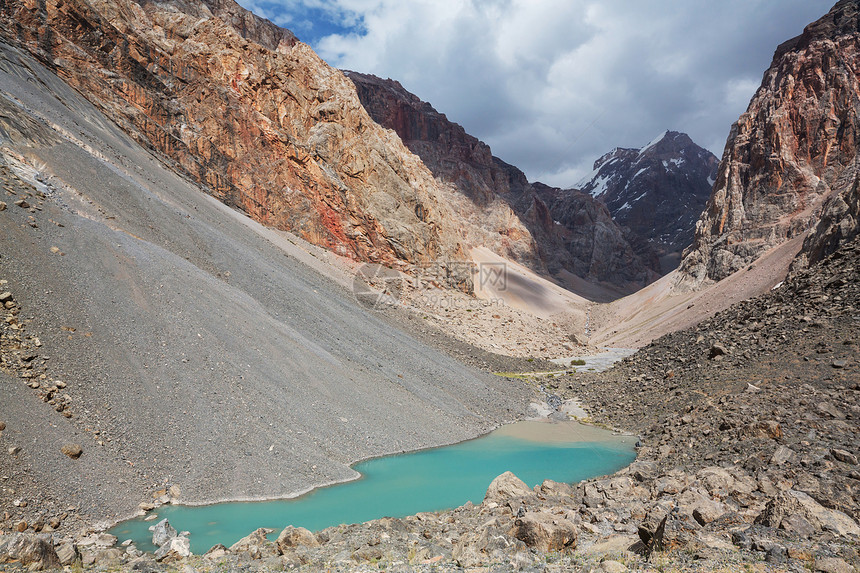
(748,428)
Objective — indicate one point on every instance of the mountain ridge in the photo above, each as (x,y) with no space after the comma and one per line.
(789,157)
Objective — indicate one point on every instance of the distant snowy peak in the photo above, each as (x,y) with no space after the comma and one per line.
(657,191)
(658,139)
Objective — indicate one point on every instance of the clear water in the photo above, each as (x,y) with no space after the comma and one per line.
(400,485)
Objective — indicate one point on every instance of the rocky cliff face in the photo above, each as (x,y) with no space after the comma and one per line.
(791,157)
(259,120)
(657,192)
(572,231)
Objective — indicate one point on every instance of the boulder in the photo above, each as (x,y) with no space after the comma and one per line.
(610,566)
(766,429)
(833,565)
(545,532)
(642,470)
(716,350)
(781,455)
(175,549)
(292,537)
(506,487)
(67,553)
(32,551)
(217,552)
(162,532)
(844,456)
(100,540)
(701,507)
(256,544)
(795,503)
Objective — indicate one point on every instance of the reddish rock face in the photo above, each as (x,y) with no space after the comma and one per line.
(793,150)
(252,114)
(571,230)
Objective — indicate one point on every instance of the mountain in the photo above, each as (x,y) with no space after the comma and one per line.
(174,338)
(262,123)
(576,235)
(790,165)
(657,192)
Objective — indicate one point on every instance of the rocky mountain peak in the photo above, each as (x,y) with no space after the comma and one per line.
(657,192)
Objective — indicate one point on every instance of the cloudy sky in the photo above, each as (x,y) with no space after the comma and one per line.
(551,85)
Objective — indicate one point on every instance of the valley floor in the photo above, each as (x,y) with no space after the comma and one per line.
(748,427)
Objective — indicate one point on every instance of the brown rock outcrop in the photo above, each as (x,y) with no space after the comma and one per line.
(249,112)
(566,230)
(793,149)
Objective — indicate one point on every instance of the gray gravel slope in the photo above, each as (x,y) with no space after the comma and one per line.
(204,354)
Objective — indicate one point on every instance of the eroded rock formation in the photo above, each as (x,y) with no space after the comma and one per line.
(572,231)
(794,149)
(252,114)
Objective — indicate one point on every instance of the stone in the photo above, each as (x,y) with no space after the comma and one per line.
(545,532)
(5,297)
(292,537)
(643,470)
(781,455)
(256,544)
(177,548)
(22,203)
(74,451)
(478,548)
(216,553)
(21,526)
(794,502)
(829,409)
(506,487)
(833,565)
(766,429)
(707,513)
(777,554)
(844,456)
(162,532)
(174,491)
(100,540)
(67,553)
(32,551)
(717,349)
(610,566)
(797,524)
(2,426)
(2,206)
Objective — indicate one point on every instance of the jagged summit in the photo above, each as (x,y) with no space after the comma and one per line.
(657,191)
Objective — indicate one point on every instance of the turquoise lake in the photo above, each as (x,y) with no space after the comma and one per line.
(405,484)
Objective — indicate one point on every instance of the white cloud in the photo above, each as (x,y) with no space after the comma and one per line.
(553,84)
